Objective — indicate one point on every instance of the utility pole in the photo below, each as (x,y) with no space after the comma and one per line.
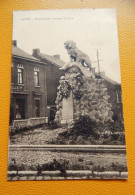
(98,61)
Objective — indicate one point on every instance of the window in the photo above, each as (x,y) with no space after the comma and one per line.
(20,76)
(12,73)
(36,78)
(118,97)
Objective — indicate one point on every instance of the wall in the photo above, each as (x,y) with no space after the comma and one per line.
(126,30)
(19,125)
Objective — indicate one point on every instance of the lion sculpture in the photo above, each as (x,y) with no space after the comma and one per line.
(76,55)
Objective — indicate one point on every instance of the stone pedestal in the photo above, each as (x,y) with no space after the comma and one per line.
(67,109)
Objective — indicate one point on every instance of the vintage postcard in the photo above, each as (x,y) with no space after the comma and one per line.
(66,112)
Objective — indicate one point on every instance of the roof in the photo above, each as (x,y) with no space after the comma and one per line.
(52,59)
(110,80)
(16,51)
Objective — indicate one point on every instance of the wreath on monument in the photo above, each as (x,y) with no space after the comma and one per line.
(64,89)
(77,87)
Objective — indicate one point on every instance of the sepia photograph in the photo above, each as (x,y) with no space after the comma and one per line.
(66,111)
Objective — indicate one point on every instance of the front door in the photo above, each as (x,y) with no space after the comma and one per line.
(37,108)
(20,109)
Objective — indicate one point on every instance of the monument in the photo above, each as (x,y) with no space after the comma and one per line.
(81,92)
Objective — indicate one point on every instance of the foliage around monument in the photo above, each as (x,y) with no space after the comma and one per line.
(93,116)
(89,98)
(94,122)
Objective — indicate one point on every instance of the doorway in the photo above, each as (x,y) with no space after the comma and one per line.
(37,108)
(20,109)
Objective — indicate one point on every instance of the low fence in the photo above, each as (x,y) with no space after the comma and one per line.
(72,148)
(27,123)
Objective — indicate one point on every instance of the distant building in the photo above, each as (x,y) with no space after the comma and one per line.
(28,86)
(53,74)
(115,96)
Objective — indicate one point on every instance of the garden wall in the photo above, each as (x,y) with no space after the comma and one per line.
(26,123)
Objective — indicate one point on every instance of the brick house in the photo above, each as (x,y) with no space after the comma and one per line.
(53,63)
(28,86)
(114,91)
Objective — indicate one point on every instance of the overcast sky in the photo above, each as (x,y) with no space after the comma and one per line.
(91,29)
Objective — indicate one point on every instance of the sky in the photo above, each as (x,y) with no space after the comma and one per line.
(91,29)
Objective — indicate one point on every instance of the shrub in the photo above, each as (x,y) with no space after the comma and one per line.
(84,131)
(52,113)
(115,136)
(122,138)
(84,123)
(80,159)
(91,163)
(77,167)
(39,170)
(117,126)
(99,168)
(118,167)
(53,125)
(85,126)
(60,165)
(14,167)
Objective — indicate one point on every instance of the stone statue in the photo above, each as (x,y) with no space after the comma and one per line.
(76,56)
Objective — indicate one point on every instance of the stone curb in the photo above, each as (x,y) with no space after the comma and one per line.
(67,148)
(107,174)
(77,173)
(71,174)
(23,173)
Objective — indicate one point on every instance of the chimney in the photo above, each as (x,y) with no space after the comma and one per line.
(36,52)
(57,56)
(14,42)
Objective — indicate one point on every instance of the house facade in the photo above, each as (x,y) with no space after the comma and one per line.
(53,74)
(28,86)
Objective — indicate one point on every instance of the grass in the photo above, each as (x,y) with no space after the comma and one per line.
(39,136)
(48,135)
(46,160)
